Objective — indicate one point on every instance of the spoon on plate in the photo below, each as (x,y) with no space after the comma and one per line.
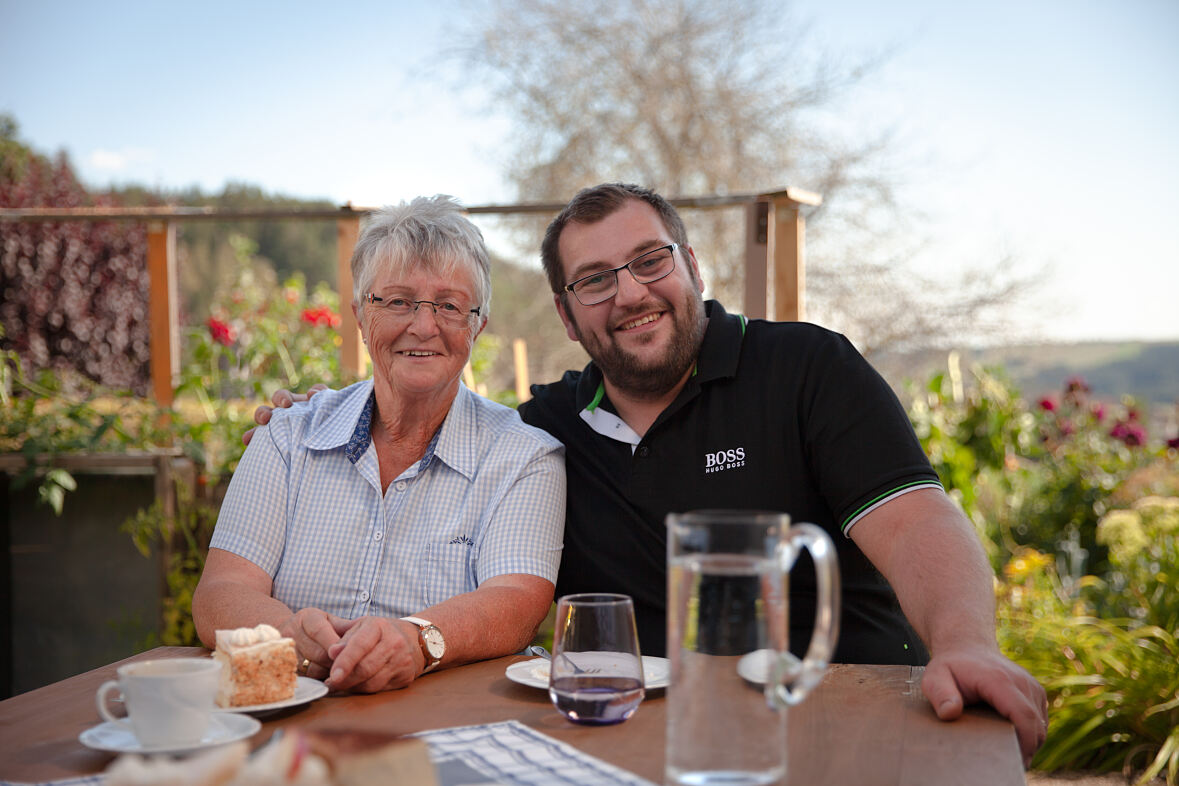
(536,649)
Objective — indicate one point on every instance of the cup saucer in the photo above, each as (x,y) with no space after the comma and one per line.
(117,736)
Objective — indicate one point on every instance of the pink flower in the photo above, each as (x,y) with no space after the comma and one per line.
(1173,442)
(1129,433)
(1098,411)
(223,332)
(1047,404)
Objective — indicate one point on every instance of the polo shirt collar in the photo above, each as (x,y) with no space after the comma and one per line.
(348,425)
(720,351)
(719,354)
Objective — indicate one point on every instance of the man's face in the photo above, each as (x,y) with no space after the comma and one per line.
(646,337)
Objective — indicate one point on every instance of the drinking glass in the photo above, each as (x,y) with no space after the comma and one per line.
(596,675)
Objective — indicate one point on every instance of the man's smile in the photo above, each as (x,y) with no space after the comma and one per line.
(645,319)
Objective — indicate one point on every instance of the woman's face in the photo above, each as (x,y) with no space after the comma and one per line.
(420,354)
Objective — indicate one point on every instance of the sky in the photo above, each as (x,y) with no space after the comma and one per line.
(1042,129)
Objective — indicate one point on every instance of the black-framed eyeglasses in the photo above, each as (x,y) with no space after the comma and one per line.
(647,268)
(402,307)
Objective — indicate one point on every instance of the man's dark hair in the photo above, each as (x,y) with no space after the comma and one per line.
(591,205)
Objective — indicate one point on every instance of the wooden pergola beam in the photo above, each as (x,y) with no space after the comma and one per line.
(775,276)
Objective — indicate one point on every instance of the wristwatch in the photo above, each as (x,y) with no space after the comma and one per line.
(433,645)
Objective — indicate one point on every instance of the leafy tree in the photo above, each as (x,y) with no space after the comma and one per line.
(522,308)
(695,97)
(207,260)
(75,294)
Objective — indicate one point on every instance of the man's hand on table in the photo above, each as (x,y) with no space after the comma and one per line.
(315,632)
(282,398)
(959,677)
(375,654)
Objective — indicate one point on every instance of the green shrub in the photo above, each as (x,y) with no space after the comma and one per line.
(1068,496)
(1112,680)
(1038,476)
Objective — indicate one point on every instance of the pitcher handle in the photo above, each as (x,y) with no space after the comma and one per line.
(791,681)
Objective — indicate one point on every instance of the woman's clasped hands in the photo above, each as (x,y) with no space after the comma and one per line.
(364,655)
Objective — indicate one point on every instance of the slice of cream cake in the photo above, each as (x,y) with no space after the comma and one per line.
(257,666)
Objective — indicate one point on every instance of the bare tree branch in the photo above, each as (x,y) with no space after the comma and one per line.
(695,97)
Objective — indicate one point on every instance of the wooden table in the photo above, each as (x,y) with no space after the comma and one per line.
(863,725)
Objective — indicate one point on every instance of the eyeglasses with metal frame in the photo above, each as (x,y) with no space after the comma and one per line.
(647,268)
(401,307)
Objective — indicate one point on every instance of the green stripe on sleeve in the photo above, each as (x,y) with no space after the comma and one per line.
(847,522)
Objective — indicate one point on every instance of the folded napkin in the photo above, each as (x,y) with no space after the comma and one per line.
(512,754)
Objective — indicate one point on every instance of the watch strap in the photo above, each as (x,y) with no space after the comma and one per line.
(421,623)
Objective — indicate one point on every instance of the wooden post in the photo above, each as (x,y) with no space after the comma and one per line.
(520,355)
(756,240)
(163,310)
(784,277)
(352,360)
(786,300)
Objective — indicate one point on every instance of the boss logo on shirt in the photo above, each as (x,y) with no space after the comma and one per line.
(724,459)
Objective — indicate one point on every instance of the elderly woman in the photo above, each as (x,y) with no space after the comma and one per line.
(403,523)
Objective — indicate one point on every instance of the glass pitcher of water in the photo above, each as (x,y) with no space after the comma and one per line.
(732,674)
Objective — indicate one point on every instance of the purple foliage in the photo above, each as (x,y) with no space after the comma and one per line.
(74,294)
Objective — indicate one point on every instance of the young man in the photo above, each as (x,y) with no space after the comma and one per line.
(685,406)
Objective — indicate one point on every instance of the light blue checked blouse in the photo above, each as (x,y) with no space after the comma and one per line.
(305,505)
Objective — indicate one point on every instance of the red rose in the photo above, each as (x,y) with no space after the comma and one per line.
(222,332)
(320,316)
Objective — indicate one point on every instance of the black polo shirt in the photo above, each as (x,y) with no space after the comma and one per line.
(780,416)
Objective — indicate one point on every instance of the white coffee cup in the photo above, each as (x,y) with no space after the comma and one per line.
(169,702)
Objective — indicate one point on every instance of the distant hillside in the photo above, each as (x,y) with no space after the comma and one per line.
(1149,371)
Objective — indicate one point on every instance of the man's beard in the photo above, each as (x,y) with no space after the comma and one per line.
(636,377)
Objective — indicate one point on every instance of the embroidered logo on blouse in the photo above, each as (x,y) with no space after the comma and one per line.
(463,539)
(724,459)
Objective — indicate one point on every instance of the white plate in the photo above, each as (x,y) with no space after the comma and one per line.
(306,689)
(535,673)
(755,666)
(117,737)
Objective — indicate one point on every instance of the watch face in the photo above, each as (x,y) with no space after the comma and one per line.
(434,642)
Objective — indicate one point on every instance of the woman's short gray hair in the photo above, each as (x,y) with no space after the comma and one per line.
(428,233)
